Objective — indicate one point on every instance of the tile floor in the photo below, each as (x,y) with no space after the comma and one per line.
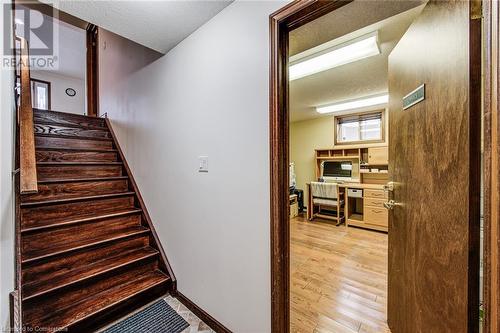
(195,323)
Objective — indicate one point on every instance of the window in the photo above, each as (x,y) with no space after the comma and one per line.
(40,93)
(367,127)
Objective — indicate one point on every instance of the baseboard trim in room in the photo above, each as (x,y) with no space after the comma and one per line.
(202,314)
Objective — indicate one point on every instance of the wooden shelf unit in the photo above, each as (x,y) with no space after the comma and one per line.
(366,212)
(366,158)
(333,154)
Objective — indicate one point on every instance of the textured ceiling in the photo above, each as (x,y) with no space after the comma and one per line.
(159,25)
(357,79)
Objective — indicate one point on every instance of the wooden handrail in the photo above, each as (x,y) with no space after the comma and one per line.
(27,160)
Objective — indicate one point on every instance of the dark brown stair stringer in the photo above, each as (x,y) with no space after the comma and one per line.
(85,187)
(142,205)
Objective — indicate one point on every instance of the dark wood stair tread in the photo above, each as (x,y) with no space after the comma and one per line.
(87,307)
(60,141)
(80,180)
(83,198)
(82,219)
(64,118)
(103,265)
(82,132)
(72,125)
(77,163)
(70,149)
(48,214)
(112,235)
(72,137)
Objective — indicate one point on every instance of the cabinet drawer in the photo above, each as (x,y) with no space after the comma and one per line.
(354,193)
(375,194)
(376,203)
(377,216)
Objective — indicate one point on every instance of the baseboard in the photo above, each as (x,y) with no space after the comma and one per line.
(200,313)
(14,315)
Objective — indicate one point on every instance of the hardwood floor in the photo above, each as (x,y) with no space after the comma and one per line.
(338,278)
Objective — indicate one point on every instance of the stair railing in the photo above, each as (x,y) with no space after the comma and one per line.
(27,159)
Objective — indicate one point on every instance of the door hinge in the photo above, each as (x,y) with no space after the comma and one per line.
(476,9)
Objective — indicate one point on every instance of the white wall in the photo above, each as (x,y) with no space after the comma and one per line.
(207,96)
(58,84)
(6,190)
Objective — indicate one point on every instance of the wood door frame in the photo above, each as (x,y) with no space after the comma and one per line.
(491,161)
(92,54)
(48,85)
(92,70)
(281,23)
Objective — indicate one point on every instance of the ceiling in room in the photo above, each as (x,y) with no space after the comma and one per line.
(358,79)
(159,25)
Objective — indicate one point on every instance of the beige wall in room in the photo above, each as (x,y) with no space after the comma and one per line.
(305,136)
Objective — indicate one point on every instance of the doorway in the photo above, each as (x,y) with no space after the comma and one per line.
(67,80)
(465,182)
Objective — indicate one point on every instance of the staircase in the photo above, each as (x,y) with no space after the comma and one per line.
(87,250)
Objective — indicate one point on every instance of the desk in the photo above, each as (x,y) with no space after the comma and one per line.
(367,211)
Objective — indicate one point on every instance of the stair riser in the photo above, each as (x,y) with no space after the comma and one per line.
(48,269)
(37,309)
(59,237)
(55,142)
(76,189)
(67,119)
(77,132)
(78,171)
(34,216)
(86,156)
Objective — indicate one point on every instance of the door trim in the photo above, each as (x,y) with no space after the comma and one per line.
(475,114)
(281,23)
(491,160)
(92,70)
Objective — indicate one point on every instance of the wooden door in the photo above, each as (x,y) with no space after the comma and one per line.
(434,159)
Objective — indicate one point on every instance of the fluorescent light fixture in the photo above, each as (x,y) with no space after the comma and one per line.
(337,55)
(18,21)
(354,104)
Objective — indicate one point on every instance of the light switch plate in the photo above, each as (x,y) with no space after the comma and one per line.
(203,160)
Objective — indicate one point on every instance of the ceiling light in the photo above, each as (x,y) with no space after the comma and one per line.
(337,55)
(18,21)
(354,104)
